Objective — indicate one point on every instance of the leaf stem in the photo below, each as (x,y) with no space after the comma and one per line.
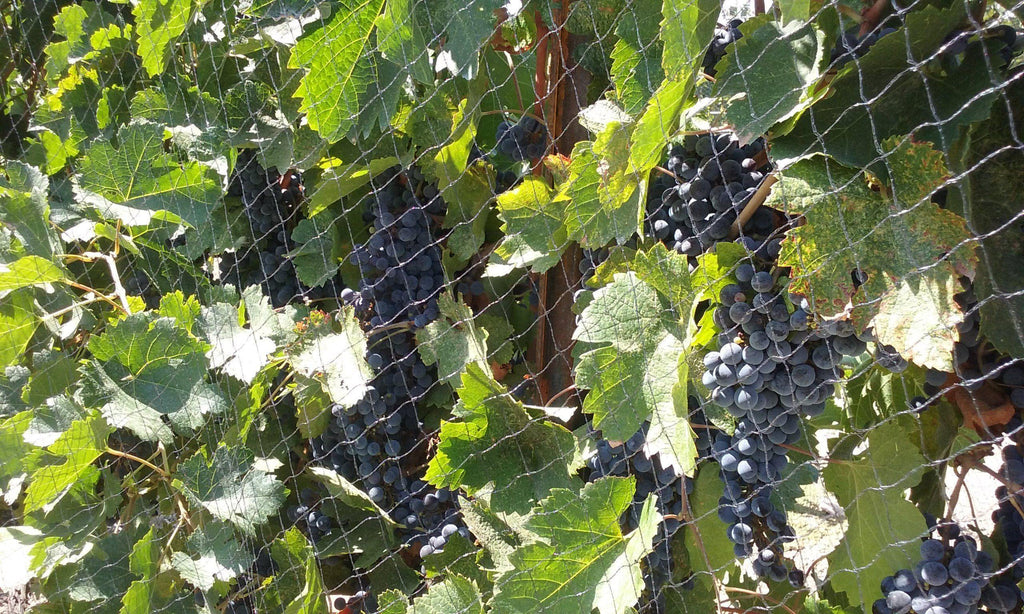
(141,461)
(119,291)
(99,295)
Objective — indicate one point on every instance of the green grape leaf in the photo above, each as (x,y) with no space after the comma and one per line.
(341,69)
(18,544)
(686,28)
(51,418)
(319,252)
(599,214)
(400,39)
(849,128)
(884,527)
(454,594)
(465,187)
(465,27)
(185,310)
(497,446)
(532,222)
(17,457)
(23,199)
(715,269)
(231,487)
(334,354)
(138,182)
(103,575)
(158,25)
(588,17)
(28,271)
(212,553)
(452,341)
(634,367)
(392,601)
(499,534)
(78,24)
(278,324)
(771,70)
(337,182)
(141,596)
(583,561)
(460,556)
(500,331)
(347,493)
(987,171)
(637,55)
(145,367)
(298,587)
(895,241)
(237,347)
(19,322)
(79,446)
(659,122)
(713,553)
(312,406)
(368,530)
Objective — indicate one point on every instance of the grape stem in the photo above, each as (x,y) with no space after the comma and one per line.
(755,201)
(743,591)
(568,389)
(665,171)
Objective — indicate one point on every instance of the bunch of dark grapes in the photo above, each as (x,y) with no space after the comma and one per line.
(526,139)
(952,577)
(716,50)
(774,365)
(631,458)
(1008,516)
(854,45)
(400,264)
(379,442)
(714,178)
(373,442)
(317,523)
(272,204)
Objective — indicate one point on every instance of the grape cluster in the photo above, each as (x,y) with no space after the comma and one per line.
(372,442)
(854,45)
(1008,516)
(318,524)
(952,577)
(774,365)
(716,50)
(631,458)
(400,263)
(526,139)
(714,178)
(272,205)
(376,442)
